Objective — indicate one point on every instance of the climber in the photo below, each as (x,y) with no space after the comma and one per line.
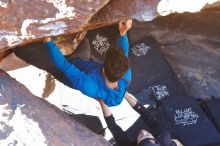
(107,81)
(161,133)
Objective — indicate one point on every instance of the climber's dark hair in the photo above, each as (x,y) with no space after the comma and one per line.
(115,64)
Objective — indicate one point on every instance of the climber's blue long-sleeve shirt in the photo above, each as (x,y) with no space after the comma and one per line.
(87,76)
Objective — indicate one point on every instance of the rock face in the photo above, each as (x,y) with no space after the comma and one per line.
(69,43)
(12,62)
(141,10)
(4,53)
(191,45)
(202,24)
(29,120)
(37,19)
(196,63)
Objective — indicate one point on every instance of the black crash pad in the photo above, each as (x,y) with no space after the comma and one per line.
(101,40)
(212,109)
(188,122)
(155,70)
(149,68)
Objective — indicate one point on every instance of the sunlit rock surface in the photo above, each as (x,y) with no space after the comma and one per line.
(69,43)
(141,10)
(27,120)
(22,21)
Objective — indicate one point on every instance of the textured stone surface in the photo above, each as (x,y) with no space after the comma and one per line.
(215,5)
(12,62)
(69,43)
(203,24)
(29,120)
(49,86)
(37,19)
(146,10)
(196,63)
(191,45)
(4,53)
(141,10)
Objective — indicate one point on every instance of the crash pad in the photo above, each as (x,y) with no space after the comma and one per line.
(150,70)
(212,108)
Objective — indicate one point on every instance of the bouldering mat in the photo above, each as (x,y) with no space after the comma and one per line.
(212,109)
(188,122)
(185,118)
(101,40)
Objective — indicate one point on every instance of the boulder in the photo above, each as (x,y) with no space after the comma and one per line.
(37,19)
(202,24)
(190,42)
(12,62)
(115,10)
(53,18)
(28,120)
